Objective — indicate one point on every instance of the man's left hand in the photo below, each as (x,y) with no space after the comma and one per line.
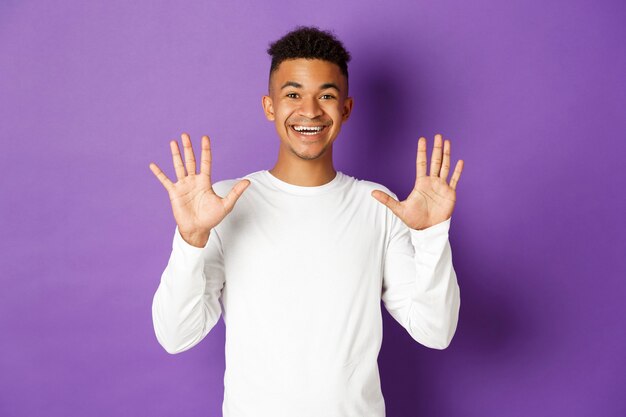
(432,199)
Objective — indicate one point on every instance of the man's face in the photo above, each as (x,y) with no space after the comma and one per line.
(308,101)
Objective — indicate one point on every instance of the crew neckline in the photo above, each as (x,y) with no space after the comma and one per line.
(302,190)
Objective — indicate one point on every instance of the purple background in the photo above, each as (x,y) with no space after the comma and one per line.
(531,93)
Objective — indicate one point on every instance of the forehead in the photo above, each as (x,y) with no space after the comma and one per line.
(308,72)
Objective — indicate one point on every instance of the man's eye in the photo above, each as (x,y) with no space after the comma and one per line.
(292,95)
(328,96)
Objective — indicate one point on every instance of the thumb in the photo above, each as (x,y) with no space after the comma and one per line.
(234,194)
(387,200)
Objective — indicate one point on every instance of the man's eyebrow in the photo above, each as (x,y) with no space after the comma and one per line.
(330,85)
(322,87)
(291,84)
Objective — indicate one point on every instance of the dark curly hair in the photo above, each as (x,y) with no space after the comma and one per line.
(309,42)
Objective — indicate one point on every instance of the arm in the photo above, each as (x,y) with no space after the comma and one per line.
(420,288)
(186,305)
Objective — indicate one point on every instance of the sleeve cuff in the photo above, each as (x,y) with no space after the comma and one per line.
(439,229)
(181,244)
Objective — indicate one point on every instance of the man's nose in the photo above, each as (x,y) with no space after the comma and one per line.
(310,108)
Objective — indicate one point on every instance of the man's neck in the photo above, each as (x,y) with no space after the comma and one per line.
(304,173)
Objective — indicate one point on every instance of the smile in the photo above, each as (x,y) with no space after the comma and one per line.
(308,130)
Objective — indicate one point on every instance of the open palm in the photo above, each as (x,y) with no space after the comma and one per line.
(432,199)
(196,207)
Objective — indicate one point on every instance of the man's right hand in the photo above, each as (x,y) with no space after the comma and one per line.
(197,209)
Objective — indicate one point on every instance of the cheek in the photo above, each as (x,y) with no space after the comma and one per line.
(335,112)
(283,112)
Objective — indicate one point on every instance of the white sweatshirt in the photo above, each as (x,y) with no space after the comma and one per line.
(298,274)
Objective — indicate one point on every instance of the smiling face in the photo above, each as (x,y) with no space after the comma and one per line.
(308,101)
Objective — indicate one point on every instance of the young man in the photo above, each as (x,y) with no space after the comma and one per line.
(298,266)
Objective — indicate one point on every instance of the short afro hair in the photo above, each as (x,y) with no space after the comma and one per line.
(309,42)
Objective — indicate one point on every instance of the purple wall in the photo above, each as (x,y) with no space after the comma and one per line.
(532,95)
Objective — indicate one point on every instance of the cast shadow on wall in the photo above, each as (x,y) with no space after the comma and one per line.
(414,377)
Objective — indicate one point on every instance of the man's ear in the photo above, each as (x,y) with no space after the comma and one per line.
(268,108)
(347,108)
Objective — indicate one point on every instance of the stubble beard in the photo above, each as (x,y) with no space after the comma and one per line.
(307,157)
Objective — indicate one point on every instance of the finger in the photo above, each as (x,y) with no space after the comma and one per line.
(445,167)
(456,174)
(387,200)
(436,156)
(178,162)
(161,176)
(190,159)
(234,194)
(205,157)
(420,163)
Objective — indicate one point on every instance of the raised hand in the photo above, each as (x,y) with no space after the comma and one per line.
(432,199)
(197,208)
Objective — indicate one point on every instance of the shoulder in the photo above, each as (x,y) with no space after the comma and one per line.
(366,186)
(223,187)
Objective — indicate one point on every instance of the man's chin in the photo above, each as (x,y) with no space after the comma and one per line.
(309,156)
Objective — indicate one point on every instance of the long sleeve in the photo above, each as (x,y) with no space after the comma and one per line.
(420,288)
(186,304)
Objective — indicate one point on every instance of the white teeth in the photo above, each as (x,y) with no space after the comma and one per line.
(308,130)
